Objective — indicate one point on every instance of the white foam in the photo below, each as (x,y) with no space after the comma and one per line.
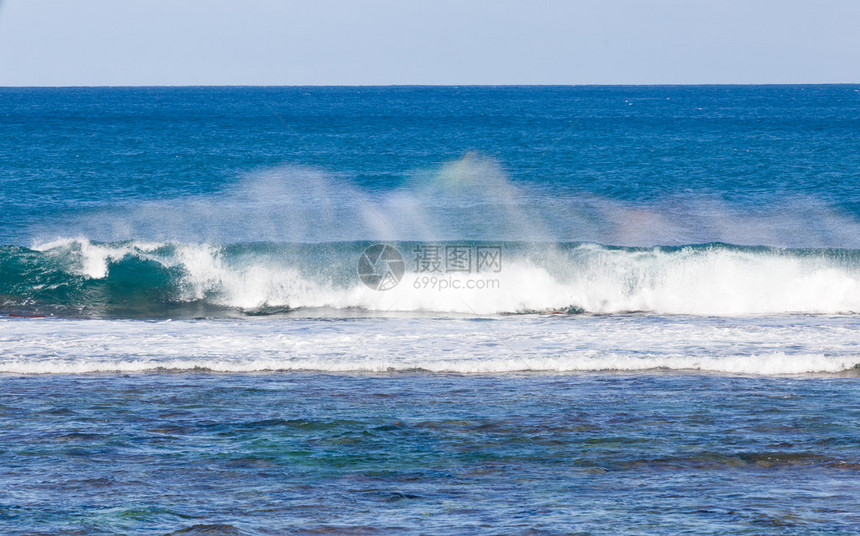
(767,346)
(92,259)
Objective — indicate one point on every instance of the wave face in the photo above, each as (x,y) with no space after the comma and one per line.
(138,279)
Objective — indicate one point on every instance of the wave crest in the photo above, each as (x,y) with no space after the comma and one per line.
(164,279)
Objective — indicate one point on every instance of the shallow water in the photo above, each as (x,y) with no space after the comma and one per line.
(429,453)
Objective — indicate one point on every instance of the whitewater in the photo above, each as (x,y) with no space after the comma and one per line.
(80,277)
(397,343)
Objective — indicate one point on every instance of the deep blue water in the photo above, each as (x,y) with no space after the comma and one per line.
(666,342)
(70,151)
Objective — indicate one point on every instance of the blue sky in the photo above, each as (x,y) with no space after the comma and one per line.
(288,42)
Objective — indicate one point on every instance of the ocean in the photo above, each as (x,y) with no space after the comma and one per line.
(430,310)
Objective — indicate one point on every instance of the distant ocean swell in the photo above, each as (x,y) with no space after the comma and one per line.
(137,279)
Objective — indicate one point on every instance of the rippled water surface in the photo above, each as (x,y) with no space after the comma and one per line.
(429,454)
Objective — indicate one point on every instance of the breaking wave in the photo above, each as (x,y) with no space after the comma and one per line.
(142,279)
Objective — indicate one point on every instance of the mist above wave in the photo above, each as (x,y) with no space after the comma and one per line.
(472,198)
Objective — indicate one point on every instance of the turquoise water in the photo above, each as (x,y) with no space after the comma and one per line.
(606,310)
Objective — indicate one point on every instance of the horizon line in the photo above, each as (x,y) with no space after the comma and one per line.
(706,84)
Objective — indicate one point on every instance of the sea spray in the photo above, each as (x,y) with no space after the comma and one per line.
(470,198)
